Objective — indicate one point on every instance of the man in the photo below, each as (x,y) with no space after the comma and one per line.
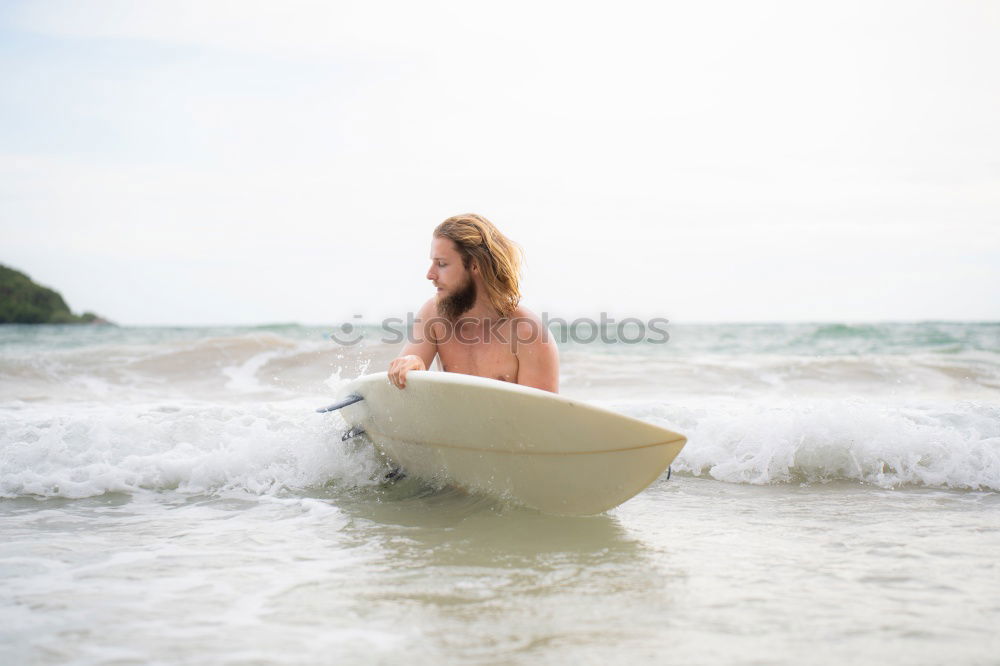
(475,324)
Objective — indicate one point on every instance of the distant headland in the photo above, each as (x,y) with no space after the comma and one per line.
(24,302)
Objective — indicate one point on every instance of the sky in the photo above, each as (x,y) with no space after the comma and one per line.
(199,162)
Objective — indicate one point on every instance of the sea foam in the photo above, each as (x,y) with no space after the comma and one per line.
(931,444)
(90,450)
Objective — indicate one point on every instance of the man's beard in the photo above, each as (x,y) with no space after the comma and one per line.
(454,306)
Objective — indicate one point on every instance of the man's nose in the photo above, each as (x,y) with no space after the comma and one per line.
(431,273)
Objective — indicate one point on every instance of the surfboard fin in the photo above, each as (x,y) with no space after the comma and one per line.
(349,400)
(352,433)
(396,474)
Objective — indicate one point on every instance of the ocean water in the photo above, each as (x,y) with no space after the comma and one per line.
(169,496)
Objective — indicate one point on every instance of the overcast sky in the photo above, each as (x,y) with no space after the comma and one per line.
(203,162)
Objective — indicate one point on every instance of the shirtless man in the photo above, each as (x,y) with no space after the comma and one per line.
(474,323)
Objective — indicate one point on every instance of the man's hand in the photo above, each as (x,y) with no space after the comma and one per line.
(400,366)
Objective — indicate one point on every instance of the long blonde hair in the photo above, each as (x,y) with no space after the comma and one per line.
(498,257)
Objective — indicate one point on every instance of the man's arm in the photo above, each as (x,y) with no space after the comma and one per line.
(419,351)
(537,356)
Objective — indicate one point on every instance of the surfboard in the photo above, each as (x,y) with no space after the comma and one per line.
(537,448)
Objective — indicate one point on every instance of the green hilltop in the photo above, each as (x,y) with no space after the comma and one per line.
(24,302)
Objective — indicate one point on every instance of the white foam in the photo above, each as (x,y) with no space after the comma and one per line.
(243,377)
(88,450)
(932,444)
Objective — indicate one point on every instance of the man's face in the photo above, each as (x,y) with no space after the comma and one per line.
(456,290)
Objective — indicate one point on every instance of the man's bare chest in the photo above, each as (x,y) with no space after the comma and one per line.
(492,358)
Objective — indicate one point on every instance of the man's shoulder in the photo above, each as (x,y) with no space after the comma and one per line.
(427,320)
(428,310)
(529,328)
(522,313)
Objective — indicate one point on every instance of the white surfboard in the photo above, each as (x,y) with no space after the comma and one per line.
(537,448)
